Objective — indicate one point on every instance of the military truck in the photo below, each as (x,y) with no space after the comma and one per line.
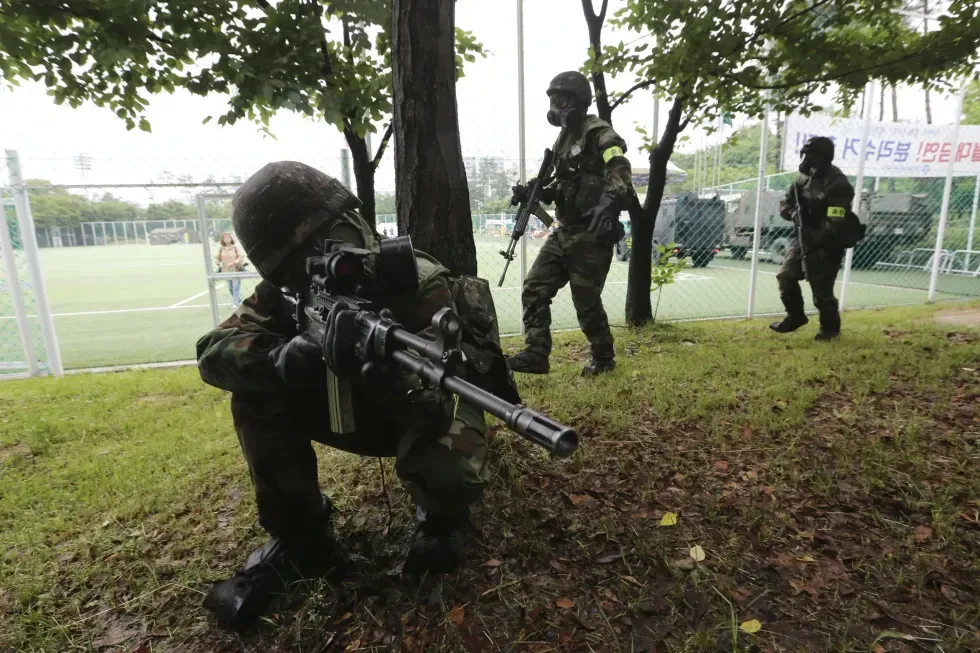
(695,226)
(893,220)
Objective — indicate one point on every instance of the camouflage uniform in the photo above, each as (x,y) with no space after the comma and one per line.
(589,164)
(822,200)
(445,470)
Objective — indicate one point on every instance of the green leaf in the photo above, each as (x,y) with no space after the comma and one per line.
(144,124)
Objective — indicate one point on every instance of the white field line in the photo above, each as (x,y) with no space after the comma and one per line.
(189,299)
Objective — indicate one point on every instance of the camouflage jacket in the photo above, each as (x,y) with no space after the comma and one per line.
(589,162)
(821,201)
(235,356)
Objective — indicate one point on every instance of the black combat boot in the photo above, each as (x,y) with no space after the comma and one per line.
(829,326)
(789,323)
(598,366)
(439,544)
(240,600)
(603,361)
(529,362)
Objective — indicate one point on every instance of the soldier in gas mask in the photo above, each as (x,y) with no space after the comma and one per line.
(277,378)
(591,186)
(827,228)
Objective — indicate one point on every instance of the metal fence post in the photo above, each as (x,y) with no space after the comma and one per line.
(858,186)
(947,191)
(521,137)
(759,197)
(973,223)
(28,240)
(203,228)
(13,285)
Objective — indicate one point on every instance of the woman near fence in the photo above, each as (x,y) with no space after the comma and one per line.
(231,258)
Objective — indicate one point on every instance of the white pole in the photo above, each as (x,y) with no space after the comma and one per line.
(858,185)
(759,197)
(13,284)
(205,245)
(522,145)
(973,222)
(29,241)
(947,191)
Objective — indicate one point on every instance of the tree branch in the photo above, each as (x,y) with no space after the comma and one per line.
(383,146)
(630,91)
(589,11)
(602,12)
(825,78)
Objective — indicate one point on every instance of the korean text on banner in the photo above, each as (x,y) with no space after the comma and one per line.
(894,149)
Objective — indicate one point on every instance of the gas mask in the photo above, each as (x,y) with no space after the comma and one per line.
(817,154)
(563,112)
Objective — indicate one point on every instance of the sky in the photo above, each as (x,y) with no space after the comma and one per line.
(48,137)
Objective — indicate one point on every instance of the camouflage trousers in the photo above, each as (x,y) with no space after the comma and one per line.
(572,256)
(444,471)
(822,265)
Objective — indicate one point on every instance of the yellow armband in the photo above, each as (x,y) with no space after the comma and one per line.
(836,212)
(611,152)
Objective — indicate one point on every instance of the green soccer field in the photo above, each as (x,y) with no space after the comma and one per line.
(125,304)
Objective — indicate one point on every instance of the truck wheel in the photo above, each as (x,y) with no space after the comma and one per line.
(701,259)
(778,249)
(738,253)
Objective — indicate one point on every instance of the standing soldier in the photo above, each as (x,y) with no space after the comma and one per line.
(827,227)
(591,185)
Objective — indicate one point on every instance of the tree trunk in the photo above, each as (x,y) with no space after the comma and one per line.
(925,30)
(595,40)
(431,194)
(363,174)
(881,104)
(639,310)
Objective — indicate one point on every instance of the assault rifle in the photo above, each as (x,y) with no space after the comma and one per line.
(376,340)
(530,206)
(796,213)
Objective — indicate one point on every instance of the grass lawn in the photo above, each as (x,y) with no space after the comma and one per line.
(124,304)
(833,489)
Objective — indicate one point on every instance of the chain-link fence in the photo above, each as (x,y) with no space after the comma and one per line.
(150,300)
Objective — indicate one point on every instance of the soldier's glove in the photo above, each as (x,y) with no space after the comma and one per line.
(299,362)
(604,221)
(338,344)
(521,191)
(546,195)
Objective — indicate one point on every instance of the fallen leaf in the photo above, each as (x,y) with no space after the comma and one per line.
(457,615)
(630,579)
(565,603)
(922,533)
(721,466)
(493,562)
(697,553)
(344,617)
(669,519)
(122,629)
(879,648)
(606,559)
(805,559)
(353,646)
(751,626)
(684,564)
(578,499)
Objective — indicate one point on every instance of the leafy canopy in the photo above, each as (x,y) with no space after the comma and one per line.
(722,55)
(327,59)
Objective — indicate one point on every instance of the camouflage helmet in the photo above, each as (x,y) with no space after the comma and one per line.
(281,206)
(575,84)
